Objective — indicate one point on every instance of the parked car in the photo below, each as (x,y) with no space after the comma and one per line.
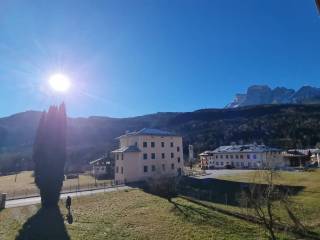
(229,167)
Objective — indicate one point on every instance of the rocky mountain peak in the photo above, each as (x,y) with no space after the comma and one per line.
(263,94)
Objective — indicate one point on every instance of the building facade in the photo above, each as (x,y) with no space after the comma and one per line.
(148,153)
(251,156)
(302,157)
(102,168)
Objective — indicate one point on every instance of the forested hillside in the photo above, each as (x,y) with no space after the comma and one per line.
(285,126)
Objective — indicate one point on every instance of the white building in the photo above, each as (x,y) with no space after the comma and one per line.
(241,156)
(148,153)
(100,167)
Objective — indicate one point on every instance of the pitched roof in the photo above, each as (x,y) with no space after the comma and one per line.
(295,153)
(149,132)
(100,161)
(127,149)
(245,148)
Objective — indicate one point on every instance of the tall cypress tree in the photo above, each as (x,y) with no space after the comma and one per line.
(49,154)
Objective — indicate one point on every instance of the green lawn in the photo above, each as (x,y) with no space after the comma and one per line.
(126,215)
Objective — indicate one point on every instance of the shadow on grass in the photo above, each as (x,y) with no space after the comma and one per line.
(198,214)
(194,213)
(47,223)
(209,217)
(223,191)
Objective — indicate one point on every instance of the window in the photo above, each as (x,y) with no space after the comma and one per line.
(145,156)
(171,144)
(216,156)
(221,163)
(117,156)
(153,168)
(231,156)
(172,166)
(163,155)
(254,156)
(242,164)
(153,156)
(227,156)
(145,144)
(241,156)
(178,149)
(237,156)
(248,156)
(221,156)
(163,167)
(117,169)
(145,168)
(121,170)
(121,156)
(162,144)
(172,155)
(217,163)
(153,144)
(179,160)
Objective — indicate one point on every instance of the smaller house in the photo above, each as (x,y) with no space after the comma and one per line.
(295,158)
(315,157)
(206,158)
(102,168)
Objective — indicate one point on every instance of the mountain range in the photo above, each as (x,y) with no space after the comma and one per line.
(262,94)
(283,125)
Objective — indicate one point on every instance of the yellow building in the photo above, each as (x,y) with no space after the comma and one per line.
(148,153)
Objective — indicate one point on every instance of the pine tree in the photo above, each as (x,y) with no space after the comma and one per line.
(49,154)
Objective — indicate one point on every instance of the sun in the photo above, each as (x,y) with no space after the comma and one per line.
(59,82)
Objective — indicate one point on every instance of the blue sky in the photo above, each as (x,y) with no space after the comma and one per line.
(134,57)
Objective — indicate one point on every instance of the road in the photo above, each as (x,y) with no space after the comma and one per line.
(36,200)
(223,172)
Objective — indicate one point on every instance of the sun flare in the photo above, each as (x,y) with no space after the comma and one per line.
(59,82)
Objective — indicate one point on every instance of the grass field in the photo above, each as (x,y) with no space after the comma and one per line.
(25,186)
(135,214)
(126,215)
(306,203)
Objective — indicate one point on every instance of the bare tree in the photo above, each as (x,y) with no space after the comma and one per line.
(260,198)
(263,199)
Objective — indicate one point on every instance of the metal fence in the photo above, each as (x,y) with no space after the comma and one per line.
(27,193)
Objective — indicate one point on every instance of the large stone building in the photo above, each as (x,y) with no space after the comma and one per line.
(148,153)
(241,156)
